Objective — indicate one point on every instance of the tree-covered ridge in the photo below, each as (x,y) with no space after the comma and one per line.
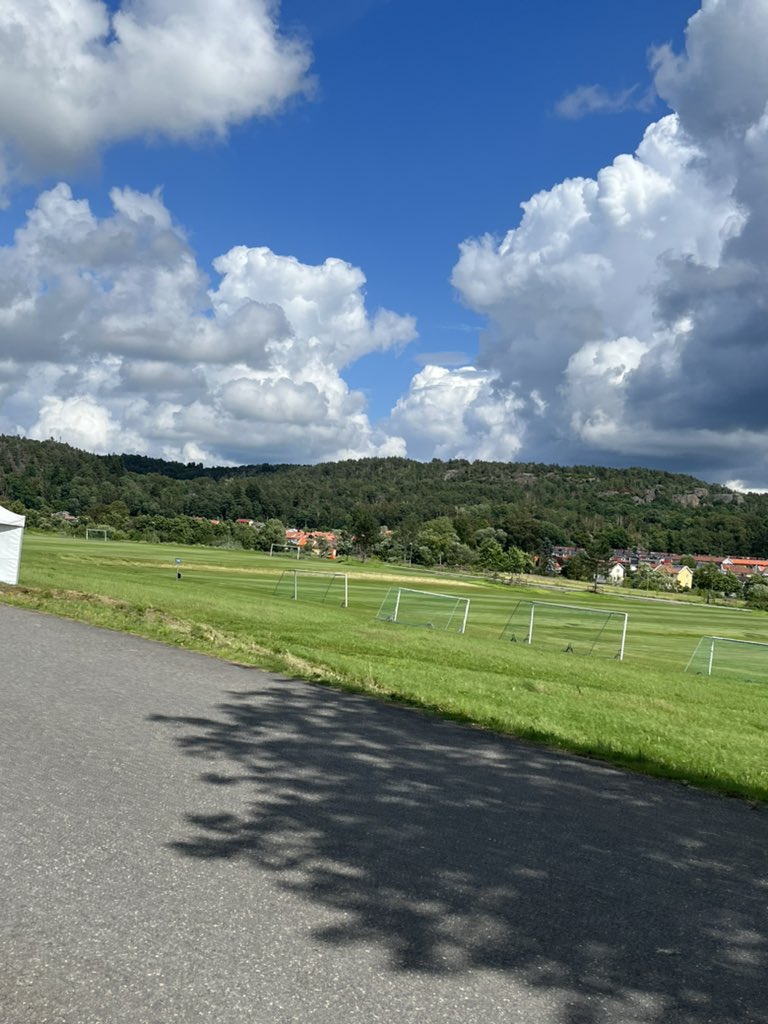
(522,505)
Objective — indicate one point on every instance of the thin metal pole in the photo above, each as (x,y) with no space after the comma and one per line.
(623,638)
(466,616)
(397,605)
(295,585)
(529,638)
(711,656)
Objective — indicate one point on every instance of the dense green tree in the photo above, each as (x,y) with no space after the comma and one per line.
(465,524)
(344,544)
(757,597)
(519,561)
(732,584)
(491,555)
(545,563)
(244,536)
(115,514)
(578,567)
(617,536)
(708,580)
(488,533)
(201,532)
(597,554)
(441,538)
(273,532)
(423,555)
(405,534)
(365,530)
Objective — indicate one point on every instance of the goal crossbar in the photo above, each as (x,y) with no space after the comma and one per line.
(528,614)
(703,661)
(426,608)
(297,580)
(284,549)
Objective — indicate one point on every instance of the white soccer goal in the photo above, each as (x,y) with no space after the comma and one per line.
(568,628)
(92,533)
(311,585)
(425,608)
(289,550)
(724,656)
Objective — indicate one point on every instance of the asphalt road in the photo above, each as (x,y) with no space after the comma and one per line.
(183,840)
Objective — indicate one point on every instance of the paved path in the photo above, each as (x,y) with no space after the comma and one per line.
(183,840)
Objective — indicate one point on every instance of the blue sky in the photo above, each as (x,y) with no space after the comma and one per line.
(386,135)
(430,123)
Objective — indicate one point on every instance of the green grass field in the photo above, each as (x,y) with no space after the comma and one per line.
(644,713)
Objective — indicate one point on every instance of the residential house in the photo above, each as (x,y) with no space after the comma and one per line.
(744,567)
(702,560)
(681,575)
(684,578)
(616,574)
(308,540)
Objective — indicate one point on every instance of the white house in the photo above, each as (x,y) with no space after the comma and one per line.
(616,573)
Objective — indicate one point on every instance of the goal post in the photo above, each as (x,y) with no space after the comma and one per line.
(569,628)
(726,656)
(291,550)
(425,608)
(95,533)
(313,585)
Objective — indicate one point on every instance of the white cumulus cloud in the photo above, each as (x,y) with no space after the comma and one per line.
(457,414)
(75,77)
(633,303)
(115,339)
(82,422)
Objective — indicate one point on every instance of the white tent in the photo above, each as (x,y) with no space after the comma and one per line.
(11,534)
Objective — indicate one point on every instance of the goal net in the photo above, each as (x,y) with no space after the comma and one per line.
(92,533)
(308,585)
(724,656)
(284,551)
(568,628)
(426,609)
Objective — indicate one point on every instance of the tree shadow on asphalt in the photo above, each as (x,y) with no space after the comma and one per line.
(454,850)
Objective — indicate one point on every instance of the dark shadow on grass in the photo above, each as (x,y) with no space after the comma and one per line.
(453,850)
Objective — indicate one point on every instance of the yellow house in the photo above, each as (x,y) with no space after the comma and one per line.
(681,574)
(684,578)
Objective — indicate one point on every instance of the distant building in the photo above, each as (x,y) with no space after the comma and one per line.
(616,573)
(743,567)
(308,540)
(681,575)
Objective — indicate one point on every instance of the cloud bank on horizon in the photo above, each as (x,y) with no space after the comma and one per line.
(113,341)
(628,314)
(627,317)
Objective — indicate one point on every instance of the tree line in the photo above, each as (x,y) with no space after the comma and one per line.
(500,516)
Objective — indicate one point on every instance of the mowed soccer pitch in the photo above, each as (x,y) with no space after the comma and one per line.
(645,712)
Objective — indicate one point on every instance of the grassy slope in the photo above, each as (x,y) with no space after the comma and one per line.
(644,713)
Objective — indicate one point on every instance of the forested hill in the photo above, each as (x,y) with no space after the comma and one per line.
(530,503)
